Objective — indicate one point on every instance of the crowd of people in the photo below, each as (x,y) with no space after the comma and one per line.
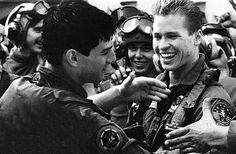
(162,83)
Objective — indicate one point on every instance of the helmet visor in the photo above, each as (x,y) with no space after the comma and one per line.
(41,8)
(122,13)
(142,23)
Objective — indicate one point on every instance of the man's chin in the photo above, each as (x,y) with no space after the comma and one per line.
(140,72)
(37,49)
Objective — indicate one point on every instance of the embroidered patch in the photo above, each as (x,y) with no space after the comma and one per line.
(222,112)
(109,139)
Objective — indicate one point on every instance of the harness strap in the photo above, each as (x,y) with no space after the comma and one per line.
(190,101)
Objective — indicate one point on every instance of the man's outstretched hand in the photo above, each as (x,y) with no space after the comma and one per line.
(200,136)
(136,88)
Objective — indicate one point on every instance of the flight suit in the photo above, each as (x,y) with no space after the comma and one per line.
(47,113)
(184,105)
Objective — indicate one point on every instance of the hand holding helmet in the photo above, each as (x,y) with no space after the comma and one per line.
(217,35)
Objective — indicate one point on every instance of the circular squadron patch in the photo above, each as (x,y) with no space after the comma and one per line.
(109,139)
(222,112)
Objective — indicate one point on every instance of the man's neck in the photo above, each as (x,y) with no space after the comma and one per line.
(64,72)
(63,80)
(180,74)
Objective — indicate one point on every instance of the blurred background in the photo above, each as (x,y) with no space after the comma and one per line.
(144,5)
(211,8)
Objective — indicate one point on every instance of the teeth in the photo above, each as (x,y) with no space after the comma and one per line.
(139,62)
(167,55)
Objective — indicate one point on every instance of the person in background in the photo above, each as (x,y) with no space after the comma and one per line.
(224,60)
(120,15)
(24,29)
(218,11)
(137,44)
(227,81)
(176,38)
(136,36)
(49,111)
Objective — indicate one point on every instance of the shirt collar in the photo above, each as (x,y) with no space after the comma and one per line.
(61,81)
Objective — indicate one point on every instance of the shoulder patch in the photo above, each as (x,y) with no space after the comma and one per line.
(109,139)
(222,112)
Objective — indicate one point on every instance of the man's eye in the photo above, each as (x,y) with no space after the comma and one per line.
(172,36)
(105,52)
(132,48)
(38,30)
(157,36)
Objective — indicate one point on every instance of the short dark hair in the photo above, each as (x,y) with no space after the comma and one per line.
(188,8)
(74,25)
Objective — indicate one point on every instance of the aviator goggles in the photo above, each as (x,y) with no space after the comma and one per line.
(211,28)
(122,13)
(142,23)
(40,8)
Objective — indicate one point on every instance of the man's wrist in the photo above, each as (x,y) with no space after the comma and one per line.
(220,138)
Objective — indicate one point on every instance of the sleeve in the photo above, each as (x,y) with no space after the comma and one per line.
(222,107)
(148,119)
(112,139)
(232,137)
(104,136)
(119,114)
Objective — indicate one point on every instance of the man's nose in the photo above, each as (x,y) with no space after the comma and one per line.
(163,44)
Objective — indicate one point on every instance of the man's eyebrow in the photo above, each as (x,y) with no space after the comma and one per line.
(156,33)
(172,33)
(168,33)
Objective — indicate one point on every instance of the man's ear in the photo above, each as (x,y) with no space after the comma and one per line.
(72,57)
(198,37)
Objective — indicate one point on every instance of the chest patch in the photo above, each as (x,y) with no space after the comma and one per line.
(222,112)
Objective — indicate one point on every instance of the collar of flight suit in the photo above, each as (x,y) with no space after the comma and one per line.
(60,81)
